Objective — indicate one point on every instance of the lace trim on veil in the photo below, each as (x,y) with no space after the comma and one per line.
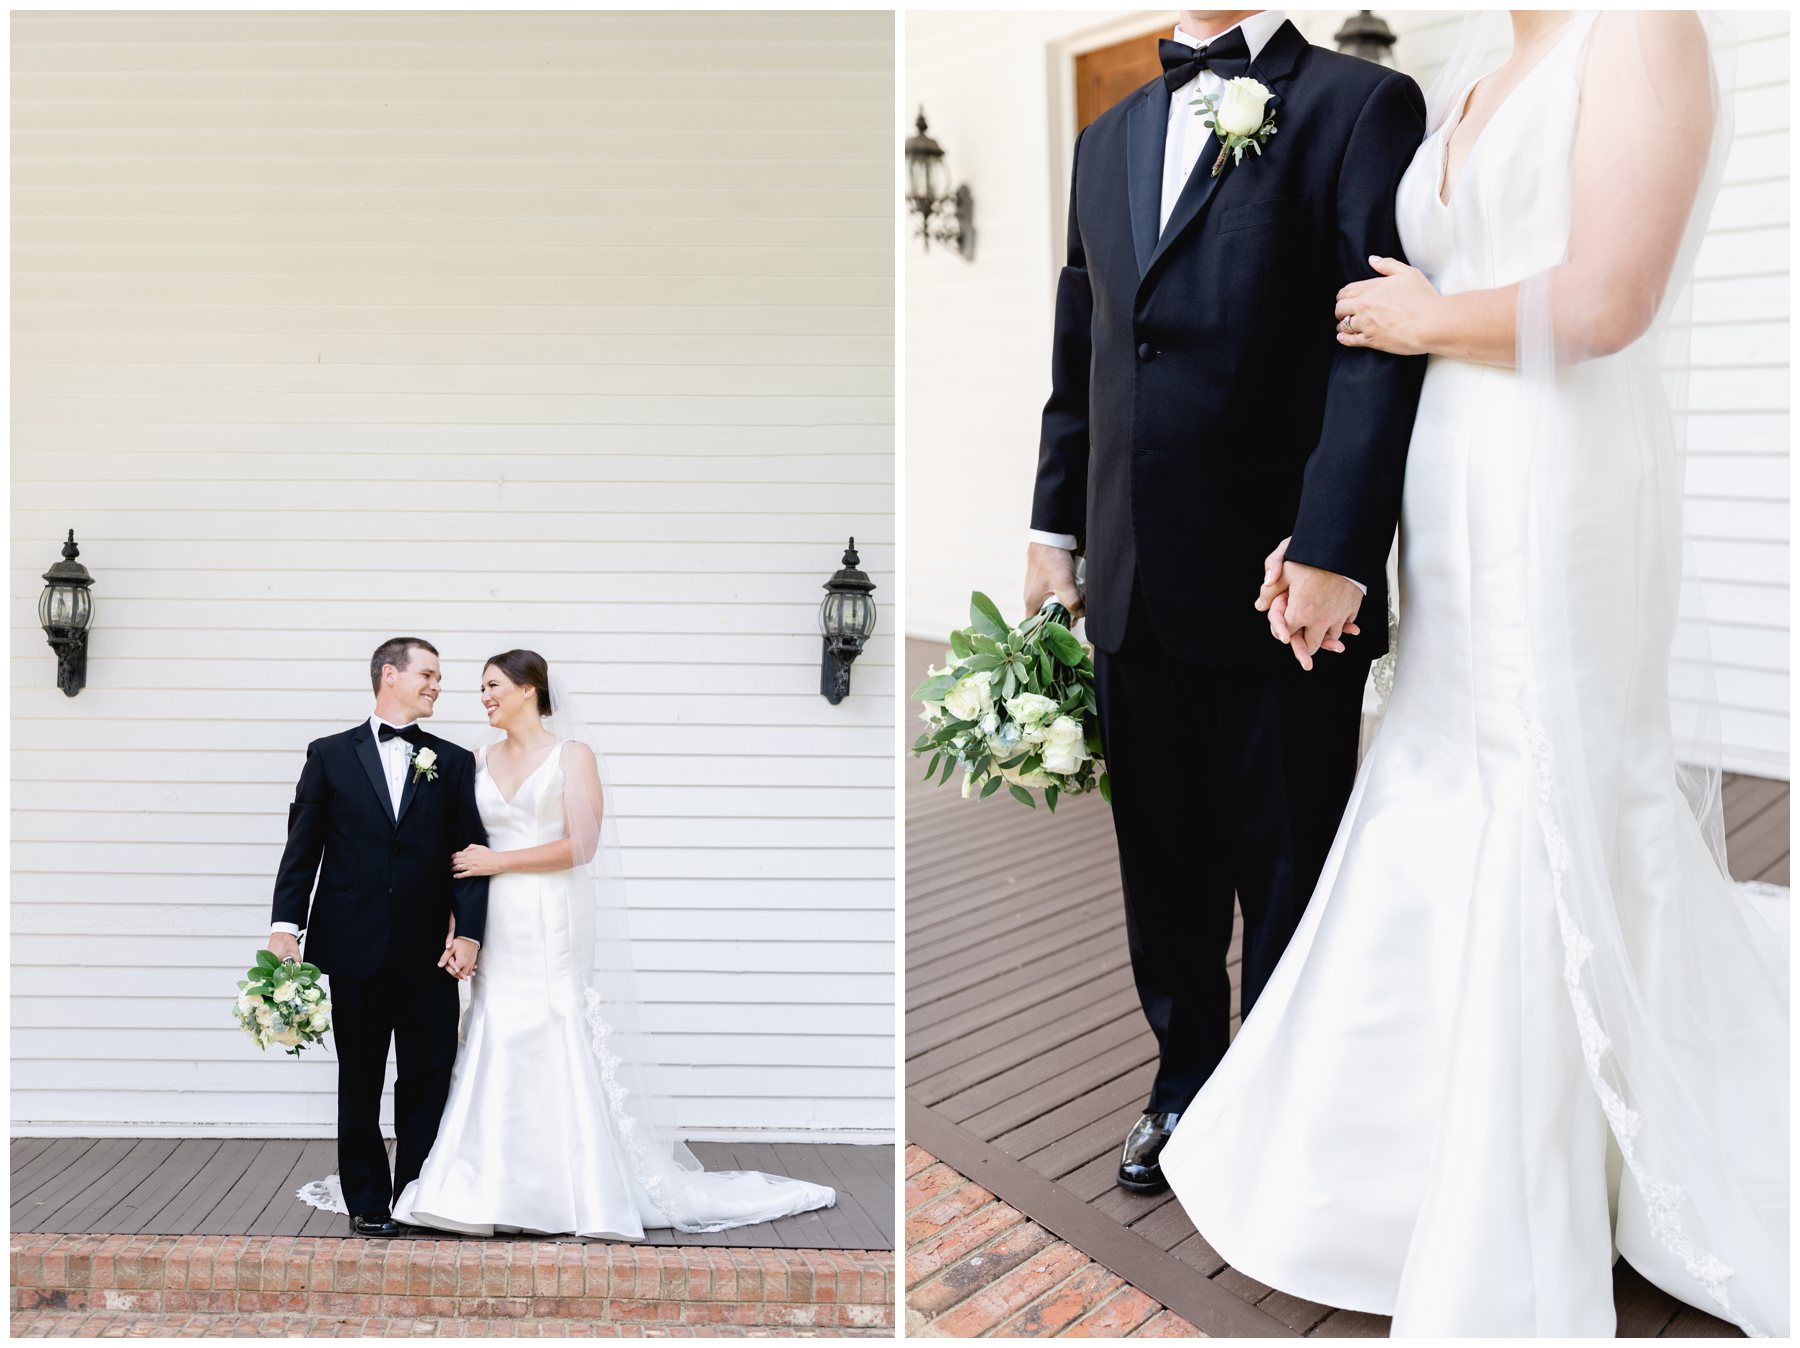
(326,1195)
(624,1121)
(1663,1199)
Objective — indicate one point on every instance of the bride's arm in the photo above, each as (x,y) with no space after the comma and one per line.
(1639,154)
(583,806)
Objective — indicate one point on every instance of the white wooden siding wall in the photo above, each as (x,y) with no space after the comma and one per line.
(978,334)
(568,330)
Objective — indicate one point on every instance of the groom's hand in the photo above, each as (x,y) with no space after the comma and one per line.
(284,945)
(1050,571)
(1317,611)
(459,957)
(1275,581)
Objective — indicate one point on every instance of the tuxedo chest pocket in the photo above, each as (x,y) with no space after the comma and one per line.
(1258,214)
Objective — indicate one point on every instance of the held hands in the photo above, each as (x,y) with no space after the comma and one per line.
(1309,609)
(475,860)
(459,953)
(1392,312)
(1050,571)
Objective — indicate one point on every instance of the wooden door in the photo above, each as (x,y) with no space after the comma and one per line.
(1107,74)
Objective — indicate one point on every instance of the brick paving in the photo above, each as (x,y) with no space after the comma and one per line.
(976,1266)
(197,1285)
(156,1325)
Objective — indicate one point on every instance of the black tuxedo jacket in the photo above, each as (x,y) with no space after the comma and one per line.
(1202,409)
(384,883)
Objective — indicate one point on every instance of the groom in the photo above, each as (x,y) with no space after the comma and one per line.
(384,806)
(1202,412)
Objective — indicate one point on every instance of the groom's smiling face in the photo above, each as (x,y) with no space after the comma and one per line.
(415,689)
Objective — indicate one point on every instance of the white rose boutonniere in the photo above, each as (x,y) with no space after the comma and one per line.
(1244,118)
(424,763)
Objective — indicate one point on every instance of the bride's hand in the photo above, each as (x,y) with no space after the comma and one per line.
(475,860)
(1392,313)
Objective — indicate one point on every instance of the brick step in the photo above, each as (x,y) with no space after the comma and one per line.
(175,1325)
(322,1278)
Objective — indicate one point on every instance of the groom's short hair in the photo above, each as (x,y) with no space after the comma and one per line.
(395,651)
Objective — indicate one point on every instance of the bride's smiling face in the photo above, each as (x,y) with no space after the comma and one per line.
(506,703)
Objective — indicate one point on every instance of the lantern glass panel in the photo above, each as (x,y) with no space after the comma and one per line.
(55,609)
(83,610)
(937,178)
(831,615)
(859,616)
(918,176)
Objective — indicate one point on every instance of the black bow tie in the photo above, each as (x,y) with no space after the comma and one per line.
(1227,57)
(412,734)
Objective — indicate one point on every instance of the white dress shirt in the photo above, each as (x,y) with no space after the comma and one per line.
(1185,138)
(395,756)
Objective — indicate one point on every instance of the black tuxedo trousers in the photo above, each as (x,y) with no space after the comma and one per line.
(1225,782)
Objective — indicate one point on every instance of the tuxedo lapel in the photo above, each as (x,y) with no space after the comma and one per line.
(1146,129)
(1273,66)
(409,790)
(370,755)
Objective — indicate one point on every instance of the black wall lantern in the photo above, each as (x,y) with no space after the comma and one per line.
(1366,36)
(944,215)
(846,620)
(65,611)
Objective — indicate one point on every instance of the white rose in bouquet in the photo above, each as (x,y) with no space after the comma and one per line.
(320,1021)
(1241,110)
(1038,777)
(284,992)
(289,1037)
(1064,749)
(1030,709)
(265,1017)
(972,697)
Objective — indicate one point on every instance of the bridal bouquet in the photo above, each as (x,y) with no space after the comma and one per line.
(1014,707)
(281,1002)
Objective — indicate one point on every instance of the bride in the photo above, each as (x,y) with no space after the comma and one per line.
(1527,1025)
(549,1127)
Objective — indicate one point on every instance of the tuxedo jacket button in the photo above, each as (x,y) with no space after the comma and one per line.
(1146,351)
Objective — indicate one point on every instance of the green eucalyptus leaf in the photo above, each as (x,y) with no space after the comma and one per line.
(934,688)
(984,615)
(1021,795)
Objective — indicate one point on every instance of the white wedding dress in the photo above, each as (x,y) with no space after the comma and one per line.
(1413,1121)
(537,1135)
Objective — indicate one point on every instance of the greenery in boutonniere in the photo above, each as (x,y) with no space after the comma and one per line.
(1243,120)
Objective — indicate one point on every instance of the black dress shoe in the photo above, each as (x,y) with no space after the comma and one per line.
(373,1224)
(1140,1164)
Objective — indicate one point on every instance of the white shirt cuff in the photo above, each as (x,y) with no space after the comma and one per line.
(1358,584)
(1063,541)
(287,927)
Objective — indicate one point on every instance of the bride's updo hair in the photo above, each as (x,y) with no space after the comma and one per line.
(525,668)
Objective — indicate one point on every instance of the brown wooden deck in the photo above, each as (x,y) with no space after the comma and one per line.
(1028,1057)
(245,1187)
